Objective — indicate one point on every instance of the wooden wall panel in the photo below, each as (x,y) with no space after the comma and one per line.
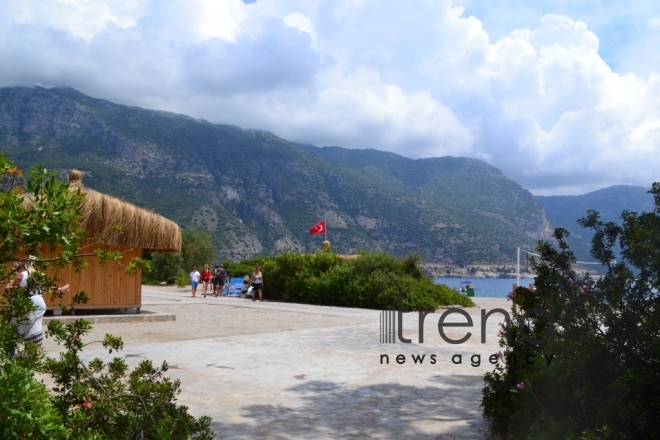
(107,286)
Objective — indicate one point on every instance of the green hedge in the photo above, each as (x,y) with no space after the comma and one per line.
(372,280)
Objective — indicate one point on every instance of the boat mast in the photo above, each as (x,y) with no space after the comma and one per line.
(518,269)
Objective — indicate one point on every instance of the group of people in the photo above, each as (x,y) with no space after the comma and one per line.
(218,278)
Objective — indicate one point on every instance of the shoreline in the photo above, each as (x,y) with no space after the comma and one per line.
(526,276)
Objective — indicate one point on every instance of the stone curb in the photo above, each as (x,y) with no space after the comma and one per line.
(110,319)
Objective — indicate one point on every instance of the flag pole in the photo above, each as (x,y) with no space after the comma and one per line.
(325,230)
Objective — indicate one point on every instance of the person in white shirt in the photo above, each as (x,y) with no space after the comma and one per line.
(30,327)
(257,281)
(194,280)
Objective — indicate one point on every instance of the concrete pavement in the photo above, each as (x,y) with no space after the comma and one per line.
(293,371)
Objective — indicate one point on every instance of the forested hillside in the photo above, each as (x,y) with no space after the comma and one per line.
(259,194)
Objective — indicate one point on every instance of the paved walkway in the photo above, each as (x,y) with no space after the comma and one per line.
(293,371)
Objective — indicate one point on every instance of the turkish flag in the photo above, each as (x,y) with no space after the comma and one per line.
(318,228)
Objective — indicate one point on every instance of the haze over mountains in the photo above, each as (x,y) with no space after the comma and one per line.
(257,193)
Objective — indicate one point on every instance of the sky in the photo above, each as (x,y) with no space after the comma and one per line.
(563,96)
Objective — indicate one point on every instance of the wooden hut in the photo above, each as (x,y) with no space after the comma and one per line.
(124,227)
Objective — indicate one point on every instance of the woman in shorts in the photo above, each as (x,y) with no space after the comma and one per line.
(206,279)
(257,282)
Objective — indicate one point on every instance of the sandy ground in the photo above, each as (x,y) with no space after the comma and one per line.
(491,303)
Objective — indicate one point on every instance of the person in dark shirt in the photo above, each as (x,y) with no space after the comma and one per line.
(257,282)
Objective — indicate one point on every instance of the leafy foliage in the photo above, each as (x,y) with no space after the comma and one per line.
(26,407)
(104,400)
(605,376)
(196,249)
(372,280)
(165,266)
(96,400)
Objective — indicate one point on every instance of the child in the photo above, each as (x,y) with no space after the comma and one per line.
(194,280)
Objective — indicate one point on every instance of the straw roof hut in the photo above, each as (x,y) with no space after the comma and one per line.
(123,224)
(123,227)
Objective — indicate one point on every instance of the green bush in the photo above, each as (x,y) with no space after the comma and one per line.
(372,280)
(165,267)
(26,407)
(173,267)
(182,280)
(239,269)
(104,400)
(605,376)
(90,400)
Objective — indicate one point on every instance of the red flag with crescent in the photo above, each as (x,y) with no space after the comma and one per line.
(318,228)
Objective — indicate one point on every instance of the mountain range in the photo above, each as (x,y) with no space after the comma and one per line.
(259,194)
(610,203)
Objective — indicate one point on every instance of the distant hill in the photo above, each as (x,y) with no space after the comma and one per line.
(610,202)
(259,194)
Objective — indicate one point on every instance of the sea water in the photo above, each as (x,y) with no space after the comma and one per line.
(486,287)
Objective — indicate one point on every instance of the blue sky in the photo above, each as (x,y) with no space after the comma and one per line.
(625,28)
(563,96)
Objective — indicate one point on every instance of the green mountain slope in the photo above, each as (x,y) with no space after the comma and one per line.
(257,193)
(610,202)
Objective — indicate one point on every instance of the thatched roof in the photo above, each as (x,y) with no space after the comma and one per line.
(138,227)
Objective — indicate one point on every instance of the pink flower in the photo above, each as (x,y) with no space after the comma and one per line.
(520,385)
(499,354)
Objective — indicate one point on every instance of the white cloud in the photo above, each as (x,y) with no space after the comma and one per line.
(417,78)
(381,116)
(81,18)
(301,22)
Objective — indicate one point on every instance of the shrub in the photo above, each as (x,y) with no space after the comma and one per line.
(165,267)
(26,407)
(182,280)
(605,376)
(372,280)
(105,400)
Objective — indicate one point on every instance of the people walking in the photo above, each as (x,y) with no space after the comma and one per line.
(206,276)
(219,279)
(194,280)
(257,282)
